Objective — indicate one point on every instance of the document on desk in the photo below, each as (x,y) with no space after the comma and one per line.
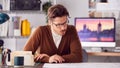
(82,65)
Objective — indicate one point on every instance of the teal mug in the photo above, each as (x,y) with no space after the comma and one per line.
(19,61)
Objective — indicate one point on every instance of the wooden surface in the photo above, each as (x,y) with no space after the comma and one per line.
(104,53)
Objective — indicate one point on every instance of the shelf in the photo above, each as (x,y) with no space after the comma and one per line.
(14,37)
(25,11)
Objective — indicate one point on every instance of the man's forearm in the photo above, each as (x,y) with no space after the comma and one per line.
(72,58)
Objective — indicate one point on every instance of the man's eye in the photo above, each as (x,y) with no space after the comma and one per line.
(58,24)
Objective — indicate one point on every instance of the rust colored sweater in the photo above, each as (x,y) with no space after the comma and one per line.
(69,47)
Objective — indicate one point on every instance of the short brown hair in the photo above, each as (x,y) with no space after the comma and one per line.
(57,11)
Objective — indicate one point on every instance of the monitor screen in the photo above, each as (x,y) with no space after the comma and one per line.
(96,32)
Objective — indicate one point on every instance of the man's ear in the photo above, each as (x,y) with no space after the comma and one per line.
(47,19)
(49,22)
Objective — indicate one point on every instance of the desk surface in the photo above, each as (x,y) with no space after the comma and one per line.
(104,53)
(83,65)
(72,65)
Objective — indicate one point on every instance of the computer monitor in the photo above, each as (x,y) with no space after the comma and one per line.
(96,32)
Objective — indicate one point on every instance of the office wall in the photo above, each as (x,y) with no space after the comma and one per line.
(76,8)
(0,1)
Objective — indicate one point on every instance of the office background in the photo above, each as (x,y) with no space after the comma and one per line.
(77,8)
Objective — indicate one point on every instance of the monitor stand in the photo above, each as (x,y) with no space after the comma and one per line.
(117,49)
(93,49)
(96,49)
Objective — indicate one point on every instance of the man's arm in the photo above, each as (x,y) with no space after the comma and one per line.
(74,56)
(41,58)
(75,48)
(33,41)
(56,59)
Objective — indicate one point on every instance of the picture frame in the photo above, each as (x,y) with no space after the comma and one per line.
(103,1)
(92,4)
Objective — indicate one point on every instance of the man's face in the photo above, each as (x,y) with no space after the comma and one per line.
(59,25)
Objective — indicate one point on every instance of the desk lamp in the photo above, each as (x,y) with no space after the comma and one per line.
(3,18)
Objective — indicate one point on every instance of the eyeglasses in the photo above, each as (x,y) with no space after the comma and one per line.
(63,24)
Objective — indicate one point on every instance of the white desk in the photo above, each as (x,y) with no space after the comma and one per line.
(82,65)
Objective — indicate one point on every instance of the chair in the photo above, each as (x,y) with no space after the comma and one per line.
(0,7)
(84,55)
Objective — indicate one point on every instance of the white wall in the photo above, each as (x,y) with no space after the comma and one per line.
(0,1)
(76,8)
(35,18)
(111,5)
(10,43)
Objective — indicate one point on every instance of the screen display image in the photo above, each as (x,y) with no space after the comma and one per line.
(96,31)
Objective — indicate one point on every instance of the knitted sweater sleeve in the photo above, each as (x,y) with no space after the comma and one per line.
(33,41)
(75,48)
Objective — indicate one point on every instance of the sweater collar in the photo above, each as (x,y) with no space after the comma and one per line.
(55,34)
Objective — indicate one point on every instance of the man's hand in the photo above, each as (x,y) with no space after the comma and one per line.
(40,56)
(56,59)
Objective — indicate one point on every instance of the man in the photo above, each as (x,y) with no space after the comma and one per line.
(56,42)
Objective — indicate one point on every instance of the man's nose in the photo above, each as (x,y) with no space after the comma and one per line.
(63,27)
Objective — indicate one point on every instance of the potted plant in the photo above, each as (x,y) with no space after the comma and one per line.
(46,5)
